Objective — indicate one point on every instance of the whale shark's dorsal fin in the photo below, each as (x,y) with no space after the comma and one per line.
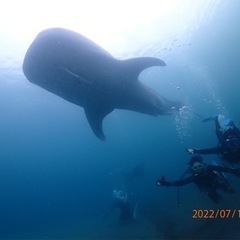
(135,66)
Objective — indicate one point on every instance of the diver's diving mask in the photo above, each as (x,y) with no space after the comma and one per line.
(198,167)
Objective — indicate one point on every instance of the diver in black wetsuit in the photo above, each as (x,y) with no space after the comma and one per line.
(229,141)
(208,178)
(126,210)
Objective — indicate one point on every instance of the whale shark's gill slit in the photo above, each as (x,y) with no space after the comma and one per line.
(76,75)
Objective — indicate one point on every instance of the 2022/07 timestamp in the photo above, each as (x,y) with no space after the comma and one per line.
(215,213)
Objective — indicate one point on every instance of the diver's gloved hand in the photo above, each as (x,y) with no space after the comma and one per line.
(167,184)
(163,182)
(237,172)
(190,150)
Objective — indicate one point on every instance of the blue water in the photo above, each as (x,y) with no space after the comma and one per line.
(56,177)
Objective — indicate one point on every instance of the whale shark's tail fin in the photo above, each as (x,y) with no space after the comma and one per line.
(157,105)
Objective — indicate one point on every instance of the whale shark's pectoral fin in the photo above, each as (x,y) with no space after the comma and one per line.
(95,116)
(134,66)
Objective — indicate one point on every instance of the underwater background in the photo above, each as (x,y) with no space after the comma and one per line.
(57,178)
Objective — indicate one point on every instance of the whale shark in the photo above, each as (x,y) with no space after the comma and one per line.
(78,70)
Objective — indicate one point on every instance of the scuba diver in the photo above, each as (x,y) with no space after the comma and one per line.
(209,178)
(126,210)
(228,136)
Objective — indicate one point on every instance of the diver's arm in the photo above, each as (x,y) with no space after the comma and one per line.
(213,150)
(182,182)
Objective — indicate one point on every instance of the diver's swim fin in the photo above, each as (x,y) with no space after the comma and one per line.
(135,210)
